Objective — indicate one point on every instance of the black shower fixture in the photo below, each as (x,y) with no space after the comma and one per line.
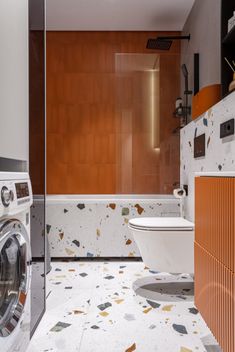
(184,111)
(164,43)
(158,44)
(184,70)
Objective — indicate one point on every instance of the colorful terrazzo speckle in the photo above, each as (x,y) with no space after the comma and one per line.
(79,229)
(100,315)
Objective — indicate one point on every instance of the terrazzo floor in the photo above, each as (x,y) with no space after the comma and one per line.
(118,307)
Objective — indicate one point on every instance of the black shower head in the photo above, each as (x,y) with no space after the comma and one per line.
(158,44)
(164,43)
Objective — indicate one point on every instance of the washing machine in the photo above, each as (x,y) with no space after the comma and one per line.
(15,261)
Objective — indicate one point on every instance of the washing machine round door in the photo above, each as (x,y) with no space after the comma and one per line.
(15,262)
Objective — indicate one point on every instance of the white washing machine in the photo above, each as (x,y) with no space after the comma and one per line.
(15,261)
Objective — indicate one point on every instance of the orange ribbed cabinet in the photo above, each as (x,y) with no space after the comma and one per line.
(214,256)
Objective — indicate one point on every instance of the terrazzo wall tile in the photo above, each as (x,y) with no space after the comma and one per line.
(99,228)
(220,153)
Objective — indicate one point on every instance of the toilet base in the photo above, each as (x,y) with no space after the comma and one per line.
(164,287)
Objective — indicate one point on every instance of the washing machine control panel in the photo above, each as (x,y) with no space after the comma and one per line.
(15,196)
(22,190)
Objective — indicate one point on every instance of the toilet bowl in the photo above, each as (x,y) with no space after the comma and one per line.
(165,244)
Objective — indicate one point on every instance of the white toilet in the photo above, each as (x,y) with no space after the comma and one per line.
(165,244)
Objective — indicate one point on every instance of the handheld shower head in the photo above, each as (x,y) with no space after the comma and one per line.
(184,70)
(185,73)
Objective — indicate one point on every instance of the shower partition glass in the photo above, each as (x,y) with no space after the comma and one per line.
(147,140)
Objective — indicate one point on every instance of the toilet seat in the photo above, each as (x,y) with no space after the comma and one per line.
(161,224)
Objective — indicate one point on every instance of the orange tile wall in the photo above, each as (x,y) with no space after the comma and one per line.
(85,131)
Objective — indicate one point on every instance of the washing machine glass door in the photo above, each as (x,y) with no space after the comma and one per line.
(15,258)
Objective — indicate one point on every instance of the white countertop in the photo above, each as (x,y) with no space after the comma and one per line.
(215,174)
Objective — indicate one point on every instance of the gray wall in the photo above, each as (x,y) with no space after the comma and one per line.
(14,79)
(220,153)
(203,24)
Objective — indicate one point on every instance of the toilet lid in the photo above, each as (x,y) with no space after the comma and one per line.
(162,223)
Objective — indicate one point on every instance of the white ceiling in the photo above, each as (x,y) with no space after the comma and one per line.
(136,15)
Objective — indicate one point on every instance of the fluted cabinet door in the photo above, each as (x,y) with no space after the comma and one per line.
(214,256)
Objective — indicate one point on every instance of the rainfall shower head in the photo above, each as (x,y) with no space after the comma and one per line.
(164,43)
(158,44)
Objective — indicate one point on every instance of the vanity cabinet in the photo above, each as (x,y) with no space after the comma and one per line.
(214,256)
